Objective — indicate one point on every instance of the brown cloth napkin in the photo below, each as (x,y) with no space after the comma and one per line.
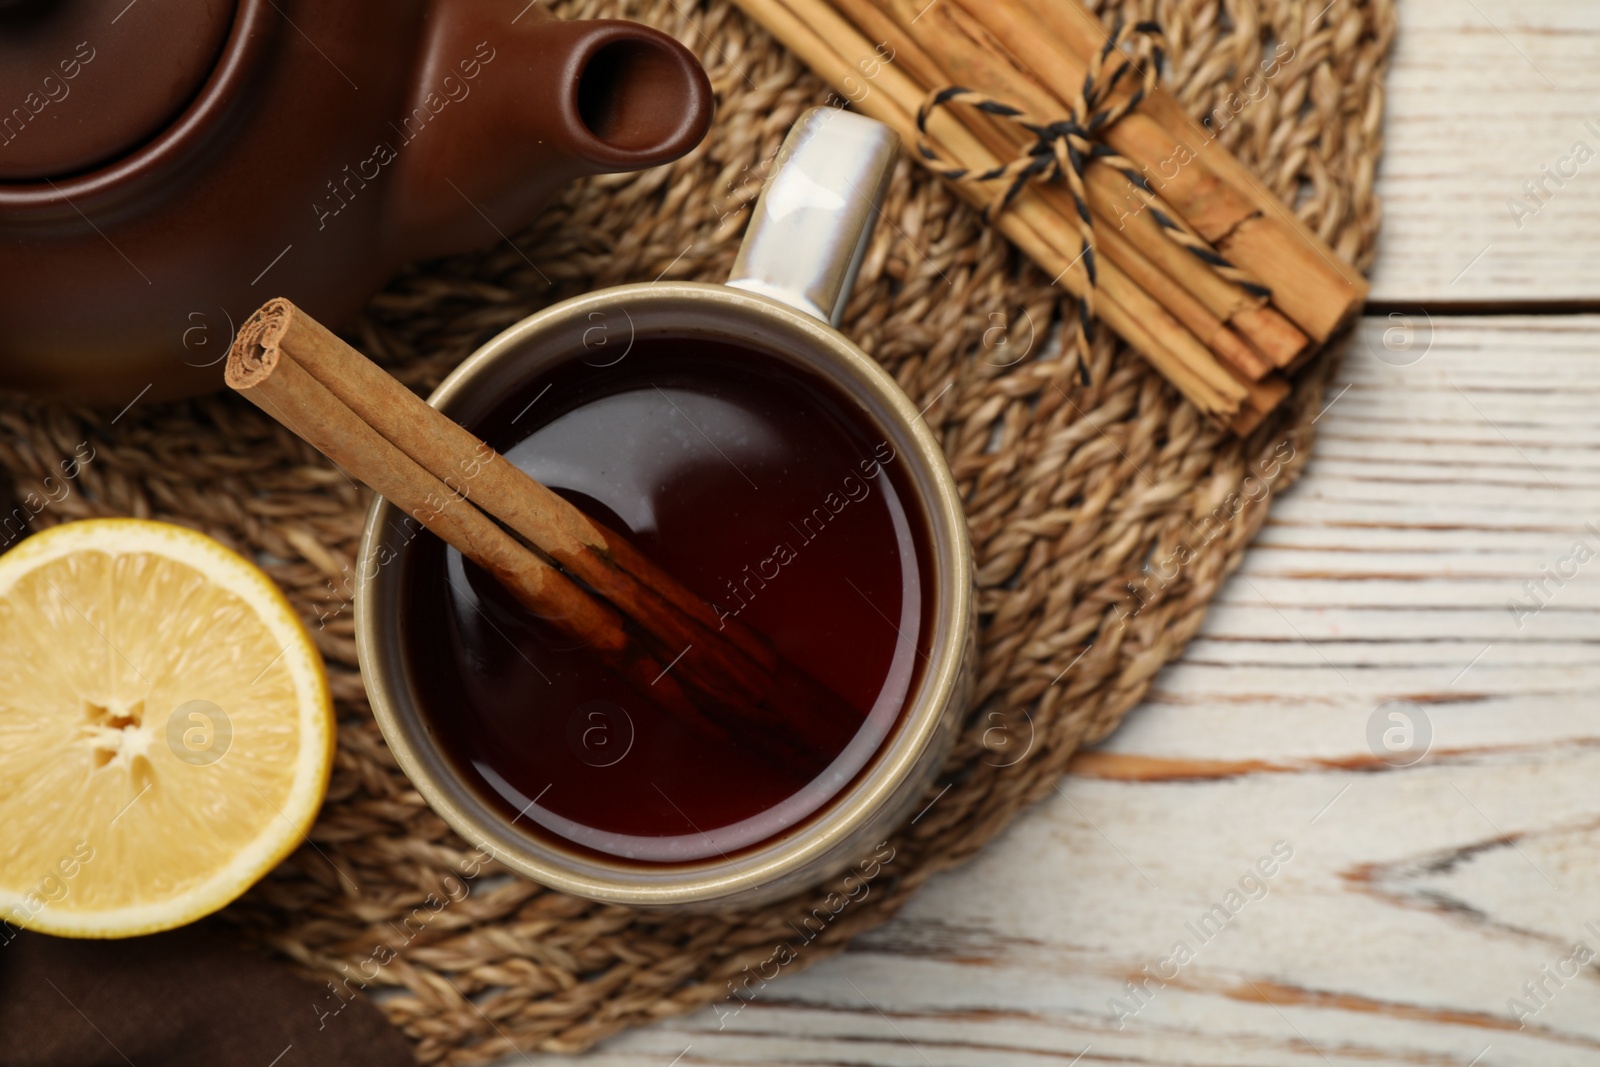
(188,998)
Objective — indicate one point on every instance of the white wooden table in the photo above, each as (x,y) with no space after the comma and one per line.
(1418,900)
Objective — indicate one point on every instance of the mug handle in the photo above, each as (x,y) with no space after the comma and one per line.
(814,217)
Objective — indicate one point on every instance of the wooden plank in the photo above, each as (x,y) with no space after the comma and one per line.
(1483,95)
(1417,901)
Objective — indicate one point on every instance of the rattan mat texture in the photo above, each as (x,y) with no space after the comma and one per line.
(1071,489)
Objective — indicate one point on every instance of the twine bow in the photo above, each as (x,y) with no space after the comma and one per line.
(1065,147)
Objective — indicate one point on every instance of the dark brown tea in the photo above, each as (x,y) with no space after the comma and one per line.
(754,484)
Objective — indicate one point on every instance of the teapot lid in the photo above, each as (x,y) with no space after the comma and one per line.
(85,81)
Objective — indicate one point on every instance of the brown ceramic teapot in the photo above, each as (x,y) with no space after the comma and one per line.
(168,165)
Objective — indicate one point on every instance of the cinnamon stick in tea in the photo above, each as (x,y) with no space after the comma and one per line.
(580,577)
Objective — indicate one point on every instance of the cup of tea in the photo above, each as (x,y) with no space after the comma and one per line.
(737,438)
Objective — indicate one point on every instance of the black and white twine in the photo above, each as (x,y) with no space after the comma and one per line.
(1066,147)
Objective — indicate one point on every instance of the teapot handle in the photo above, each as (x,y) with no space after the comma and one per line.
(815,216)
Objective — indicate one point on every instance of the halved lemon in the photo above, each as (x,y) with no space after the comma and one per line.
(166,731)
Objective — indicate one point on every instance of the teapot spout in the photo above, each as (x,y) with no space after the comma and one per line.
(529,103)
(640,98)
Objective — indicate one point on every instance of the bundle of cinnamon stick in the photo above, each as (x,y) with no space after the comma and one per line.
(686,657)
(1224,341)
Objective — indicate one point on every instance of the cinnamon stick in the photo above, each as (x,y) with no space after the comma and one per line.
(1269,332)
(1220,342)
(1072,25)
(1264,398)
(1170,274)
(580,577)
(1210,330)
(970,56)
(835,48)
(450,452)
(1216,193)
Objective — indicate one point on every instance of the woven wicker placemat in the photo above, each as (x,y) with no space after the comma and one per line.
(1071,490)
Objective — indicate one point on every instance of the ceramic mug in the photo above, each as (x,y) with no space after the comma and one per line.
(789,285)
